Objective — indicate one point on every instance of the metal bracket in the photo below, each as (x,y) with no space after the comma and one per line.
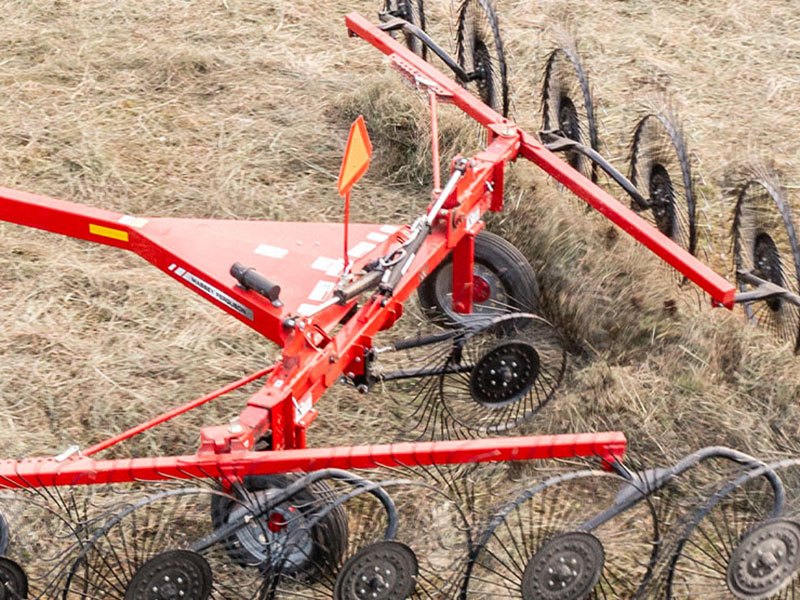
(396,23)
(555,141)
(764,290)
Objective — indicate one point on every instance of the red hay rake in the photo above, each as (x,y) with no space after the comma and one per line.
(279,524)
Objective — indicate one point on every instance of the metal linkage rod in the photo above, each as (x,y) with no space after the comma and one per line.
(764,290)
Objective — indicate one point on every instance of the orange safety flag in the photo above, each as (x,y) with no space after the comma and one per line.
(357,155)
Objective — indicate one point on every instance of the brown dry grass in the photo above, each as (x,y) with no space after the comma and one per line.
(239,109)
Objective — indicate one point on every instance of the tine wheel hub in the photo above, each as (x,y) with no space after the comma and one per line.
(662,198)
(171,575)
(277,537)
(570,126)
(504,374)
(380,571)
(765,560)
(566,567)
(767,265)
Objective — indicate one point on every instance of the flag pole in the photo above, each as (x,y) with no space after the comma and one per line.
(346,229)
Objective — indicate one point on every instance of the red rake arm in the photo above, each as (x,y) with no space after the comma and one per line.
(420,72)
(66,218)
(37,472)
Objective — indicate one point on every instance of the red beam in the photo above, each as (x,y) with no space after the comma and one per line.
(41,472)
(720,290)
(176,412)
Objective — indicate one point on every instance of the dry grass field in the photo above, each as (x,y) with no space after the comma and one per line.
(240,109)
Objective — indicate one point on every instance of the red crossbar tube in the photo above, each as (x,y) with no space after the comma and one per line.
(721,291)
(42,472)
(176,412)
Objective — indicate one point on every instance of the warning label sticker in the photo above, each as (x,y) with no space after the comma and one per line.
(212,291)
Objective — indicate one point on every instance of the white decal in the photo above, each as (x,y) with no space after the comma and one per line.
(321,291)
(390,229)
(330,266)
(137,222)
(377,237)
(216,294)
(301,408)
(306,309)
(473,217)
(131,221)
(360,249)
(271,251)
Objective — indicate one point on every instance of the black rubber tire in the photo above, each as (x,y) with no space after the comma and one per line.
(412,11)
(661,170)
(329,535)
(567,105)
(495,257)
(478,44)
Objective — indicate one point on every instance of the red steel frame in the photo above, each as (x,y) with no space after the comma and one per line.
(320,348)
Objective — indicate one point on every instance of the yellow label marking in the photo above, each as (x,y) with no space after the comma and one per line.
(114,234)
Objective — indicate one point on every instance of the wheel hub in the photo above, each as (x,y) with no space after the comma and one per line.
(481,289)
(570,126)
(171,575)
(13,581)
(662,200)
(483,71)
(380,571)
(767,265)
(566,567)
(277,535)
(765,560)
(504,374)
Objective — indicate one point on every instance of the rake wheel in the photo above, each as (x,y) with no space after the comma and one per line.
(282,524)
(162,545)
(548,543)
(765,243)
(503,282)
(412,11)
(487,378)
(661,172)
(417,553)
(567,105)
(479,51)
(39,534)
(741,543)
(517,364)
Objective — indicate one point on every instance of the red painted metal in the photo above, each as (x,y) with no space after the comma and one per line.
(319,346)
(40,472)
(720,290)
(464,274)
(437,164)
(176,412)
